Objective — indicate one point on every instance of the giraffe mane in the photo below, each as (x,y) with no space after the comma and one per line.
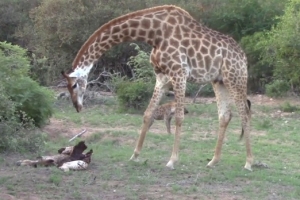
(117,20)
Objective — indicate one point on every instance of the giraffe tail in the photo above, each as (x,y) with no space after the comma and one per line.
(248,111)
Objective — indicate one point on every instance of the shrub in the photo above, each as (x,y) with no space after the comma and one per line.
(16,135)
(134,95)
(27,96)
(287,107)
(142,68)
(36,102)
(277,88)
(23,103)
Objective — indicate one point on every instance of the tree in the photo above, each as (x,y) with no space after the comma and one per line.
(282,46)
(240,18)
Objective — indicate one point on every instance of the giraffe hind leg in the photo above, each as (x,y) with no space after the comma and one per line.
(224,112)
(243,105)
(245,115)
(249,108)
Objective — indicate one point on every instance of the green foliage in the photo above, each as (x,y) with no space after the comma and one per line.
(191,89)
(260,70)
(282,47)
(287,107)
(240,18)
(207,91)
(134,95)
(54,30)
(61,27)
(28,96)
(36,102)
(23,103)
(143,69)
(14,14)
(277,88)
(16,134)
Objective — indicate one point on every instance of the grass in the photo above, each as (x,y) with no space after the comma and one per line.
(112,176)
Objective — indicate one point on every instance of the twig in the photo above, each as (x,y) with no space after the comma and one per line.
(103,74)
(201,87)
(78,135)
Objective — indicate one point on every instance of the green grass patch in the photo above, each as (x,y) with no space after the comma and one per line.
(112,176)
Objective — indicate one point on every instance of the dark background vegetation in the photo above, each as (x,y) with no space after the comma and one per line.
(43,37)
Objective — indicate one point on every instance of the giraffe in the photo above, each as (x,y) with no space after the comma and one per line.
(183,50)
(166,112)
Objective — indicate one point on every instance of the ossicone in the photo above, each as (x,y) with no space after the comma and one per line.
(64,74)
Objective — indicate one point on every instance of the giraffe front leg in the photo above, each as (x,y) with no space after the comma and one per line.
(147,122)
(148,115)
(175,153)
(179,89)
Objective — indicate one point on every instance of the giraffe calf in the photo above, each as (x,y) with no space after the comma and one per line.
(166,112)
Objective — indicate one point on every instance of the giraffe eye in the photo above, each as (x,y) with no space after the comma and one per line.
(74,86)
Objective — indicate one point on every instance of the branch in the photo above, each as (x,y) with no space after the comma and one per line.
(78,135)
(103,74)
(201,87)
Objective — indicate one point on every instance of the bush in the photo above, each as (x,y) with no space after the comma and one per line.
(29,98)
(282,48)
(36,102)
(142,68)
(277,88)
(134,95)
(23,103)
(16,135)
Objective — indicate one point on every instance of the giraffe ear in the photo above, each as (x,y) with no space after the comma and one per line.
(64,74)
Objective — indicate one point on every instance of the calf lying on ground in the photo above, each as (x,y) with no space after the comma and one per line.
(68,158)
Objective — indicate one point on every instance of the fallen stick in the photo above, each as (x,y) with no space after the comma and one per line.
(78,135)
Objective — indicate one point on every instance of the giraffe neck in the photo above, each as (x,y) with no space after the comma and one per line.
(149,25)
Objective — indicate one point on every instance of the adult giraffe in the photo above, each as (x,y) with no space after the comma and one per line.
(183,50)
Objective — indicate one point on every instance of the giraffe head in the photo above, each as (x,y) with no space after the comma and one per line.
(76,85)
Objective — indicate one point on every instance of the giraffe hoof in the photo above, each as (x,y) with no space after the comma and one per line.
(248,167)
(210,166)
(134,158)
(170,165)
(212,163)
